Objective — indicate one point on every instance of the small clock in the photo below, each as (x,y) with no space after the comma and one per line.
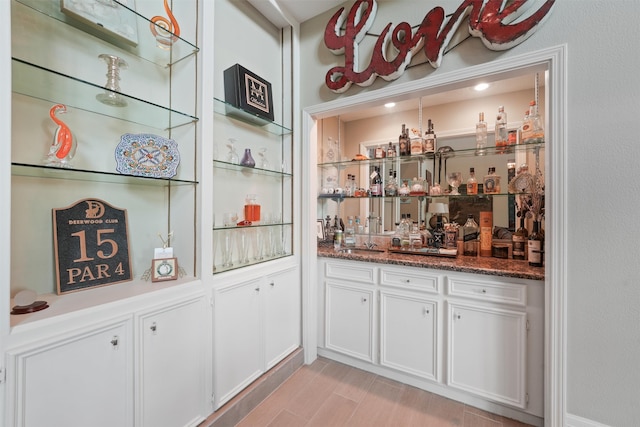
(164,269)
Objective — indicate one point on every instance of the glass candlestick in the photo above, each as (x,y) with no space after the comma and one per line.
(111,96)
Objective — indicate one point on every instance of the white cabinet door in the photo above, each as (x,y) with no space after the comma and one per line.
(172,365)
(78,380)
(349,320)
(281,315)
(237,346)
(409,334)
(487,352)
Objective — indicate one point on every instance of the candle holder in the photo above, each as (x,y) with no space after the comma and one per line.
(111,96)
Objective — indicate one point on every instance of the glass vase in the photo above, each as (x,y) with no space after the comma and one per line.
(247,159)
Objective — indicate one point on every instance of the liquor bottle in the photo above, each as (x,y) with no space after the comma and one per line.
(350,233)
(417,146)
(519,240)
(536,246)
(403,142)
(472,182)
(470,232)
(526,118)
(391,150)
(532,130)
(501,133)
(376,183)
(391,186)
(430,141)
(491,182)
(379,153)
(486,233)
(481,136)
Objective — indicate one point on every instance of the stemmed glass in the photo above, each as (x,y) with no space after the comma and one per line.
(263,162)
(454,179)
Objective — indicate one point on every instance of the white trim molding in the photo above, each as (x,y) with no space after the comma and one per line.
(576,421)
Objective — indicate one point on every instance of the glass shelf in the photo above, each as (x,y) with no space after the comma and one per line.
(337,198)
(247,170)
(40,171)
(469,152)
(246,227)
(226,109)
(235,266)
(41,83)
(146,48)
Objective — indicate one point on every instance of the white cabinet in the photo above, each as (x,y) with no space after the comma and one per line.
(349,324)
(487,352)
(237,358)
(172,363)
(256,325)
(84,378)
(409,333)
(281,315)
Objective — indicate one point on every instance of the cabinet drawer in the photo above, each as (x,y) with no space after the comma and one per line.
(506,293)
(350,271)
(410,278)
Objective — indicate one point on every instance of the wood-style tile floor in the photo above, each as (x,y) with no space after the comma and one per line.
(331,394)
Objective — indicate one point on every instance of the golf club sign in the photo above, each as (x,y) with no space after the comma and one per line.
(91,245)
(496,22)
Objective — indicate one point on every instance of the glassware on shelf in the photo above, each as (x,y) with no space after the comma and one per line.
(258,244)
(230,219)
(227,249)
(251,209)
(435,190)
(232,155)
(247,159)
(162,28)
(111,96)
(263,163)
(243,247)
(64,144)
(481,136)
(454,179)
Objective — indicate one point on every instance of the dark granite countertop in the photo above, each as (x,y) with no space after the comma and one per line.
(479,265)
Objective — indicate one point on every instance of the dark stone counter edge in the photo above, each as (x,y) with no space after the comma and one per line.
(464,264)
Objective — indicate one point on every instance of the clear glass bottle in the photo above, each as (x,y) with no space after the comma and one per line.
(403,142)
(519,240)
(535,246)
(350,233)
(415,238)
(532,130)
(501,133)
(470,232)
(430,140)
(391,186)
(481,136)
(472,183)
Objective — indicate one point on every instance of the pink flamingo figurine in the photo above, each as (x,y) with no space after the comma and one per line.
(64,143)
(162,27)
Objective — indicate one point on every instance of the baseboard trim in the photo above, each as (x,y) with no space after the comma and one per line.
(232,412)
(576,421)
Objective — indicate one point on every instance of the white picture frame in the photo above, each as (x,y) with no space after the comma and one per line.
(105,17)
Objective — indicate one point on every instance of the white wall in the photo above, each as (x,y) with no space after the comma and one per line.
(603,296)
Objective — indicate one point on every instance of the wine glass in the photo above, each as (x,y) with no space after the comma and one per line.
(454,179)
(263,162)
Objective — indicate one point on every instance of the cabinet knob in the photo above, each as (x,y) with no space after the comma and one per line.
(458,316)
(257,289)
(153,328)
(484,291)
(272,283)
(425,311)
(364,299)
(114,342)
(408,281)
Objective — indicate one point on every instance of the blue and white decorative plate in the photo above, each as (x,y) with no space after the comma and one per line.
(148,155)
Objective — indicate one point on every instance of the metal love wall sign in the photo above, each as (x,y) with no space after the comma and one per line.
(500,25)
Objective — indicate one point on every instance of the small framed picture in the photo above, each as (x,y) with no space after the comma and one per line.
(320,230)
(104,18)
(164,269)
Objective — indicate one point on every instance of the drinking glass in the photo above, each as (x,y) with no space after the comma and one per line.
(454,179)
(227,249)
(243,247)
(258,244)
(230,219)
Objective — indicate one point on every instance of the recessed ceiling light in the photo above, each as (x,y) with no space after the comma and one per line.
(481,86)
(390,104)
